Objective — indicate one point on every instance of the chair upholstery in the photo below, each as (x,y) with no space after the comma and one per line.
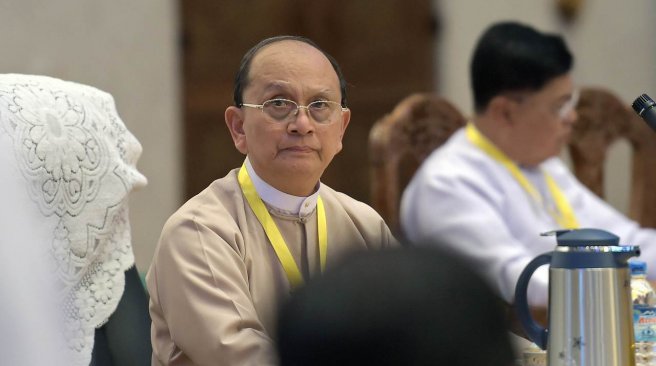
(604,119)
(400,141)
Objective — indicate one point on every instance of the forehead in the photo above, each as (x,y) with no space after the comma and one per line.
(292,62)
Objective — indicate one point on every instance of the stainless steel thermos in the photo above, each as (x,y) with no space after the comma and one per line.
(590,309)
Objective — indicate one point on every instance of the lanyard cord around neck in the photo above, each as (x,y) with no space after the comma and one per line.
(564,216)
(273,233)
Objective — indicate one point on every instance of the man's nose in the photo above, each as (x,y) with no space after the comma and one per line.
(301,122)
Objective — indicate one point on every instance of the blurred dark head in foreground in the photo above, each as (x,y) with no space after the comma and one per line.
(407,306)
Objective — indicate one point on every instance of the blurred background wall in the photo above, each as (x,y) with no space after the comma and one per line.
(169,65)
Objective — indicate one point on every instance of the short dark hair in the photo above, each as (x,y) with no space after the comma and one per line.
(241,79)
(406,306)
(511,56)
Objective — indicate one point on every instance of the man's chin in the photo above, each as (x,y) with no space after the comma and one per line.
(298,166)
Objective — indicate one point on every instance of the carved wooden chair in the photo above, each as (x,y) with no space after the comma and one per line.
(604,119)
(400,141)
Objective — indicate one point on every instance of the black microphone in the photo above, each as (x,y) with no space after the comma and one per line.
(646,108)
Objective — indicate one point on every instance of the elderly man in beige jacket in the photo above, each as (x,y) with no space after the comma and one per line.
(229,255)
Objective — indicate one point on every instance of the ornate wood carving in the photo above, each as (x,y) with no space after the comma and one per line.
(604,119)
(400,141)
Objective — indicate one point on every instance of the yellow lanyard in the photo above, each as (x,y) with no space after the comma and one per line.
(564,216)
(275,237)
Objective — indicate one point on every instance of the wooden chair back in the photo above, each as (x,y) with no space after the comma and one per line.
(400,141)
(602,120)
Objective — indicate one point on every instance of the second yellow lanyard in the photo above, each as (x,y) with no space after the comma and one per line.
(273,233)
(564,217)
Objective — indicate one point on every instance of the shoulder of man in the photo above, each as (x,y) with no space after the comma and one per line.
(459,164)
(348,203)
(363,217)
(216,208)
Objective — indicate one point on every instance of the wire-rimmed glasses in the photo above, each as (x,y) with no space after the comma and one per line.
(569,105)
(285,110)
(562,110)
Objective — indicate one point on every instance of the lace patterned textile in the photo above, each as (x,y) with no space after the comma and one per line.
(78,162)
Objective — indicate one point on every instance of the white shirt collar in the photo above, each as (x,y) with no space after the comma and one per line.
(282,201)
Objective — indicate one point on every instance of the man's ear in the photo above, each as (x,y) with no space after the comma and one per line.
(234,118)
(346,118)
(501,109)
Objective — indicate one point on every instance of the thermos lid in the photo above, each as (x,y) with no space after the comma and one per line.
(586,237)
(590,248)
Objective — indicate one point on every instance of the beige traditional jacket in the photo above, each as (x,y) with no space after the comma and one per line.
(216,283)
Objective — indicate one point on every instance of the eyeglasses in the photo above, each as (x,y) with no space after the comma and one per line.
(569,105)
(561,110)
(284,110)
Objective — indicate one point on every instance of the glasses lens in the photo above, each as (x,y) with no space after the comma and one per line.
(322,111)
(278,109)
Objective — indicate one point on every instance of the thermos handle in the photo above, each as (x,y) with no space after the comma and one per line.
(535,332)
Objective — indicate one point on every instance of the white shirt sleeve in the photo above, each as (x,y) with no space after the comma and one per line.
(594,212)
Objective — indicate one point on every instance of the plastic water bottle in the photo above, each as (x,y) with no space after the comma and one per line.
(644,314)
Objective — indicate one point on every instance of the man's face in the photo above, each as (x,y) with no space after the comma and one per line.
(543,120)
(298,148)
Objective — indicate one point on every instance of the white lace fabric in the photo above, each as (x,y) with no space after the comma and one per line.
(78,161)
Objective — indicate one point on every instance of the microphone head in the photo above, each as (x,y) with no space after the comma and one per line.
(642,103)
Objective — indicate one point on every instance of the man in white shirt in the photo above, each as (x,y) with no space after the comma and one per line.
(490,190)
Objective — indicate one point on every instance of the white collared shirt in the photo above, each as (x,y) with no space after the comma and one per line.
(281,201)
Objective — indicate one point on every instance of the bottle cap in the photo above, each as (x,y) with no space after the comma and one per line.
(638,267)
